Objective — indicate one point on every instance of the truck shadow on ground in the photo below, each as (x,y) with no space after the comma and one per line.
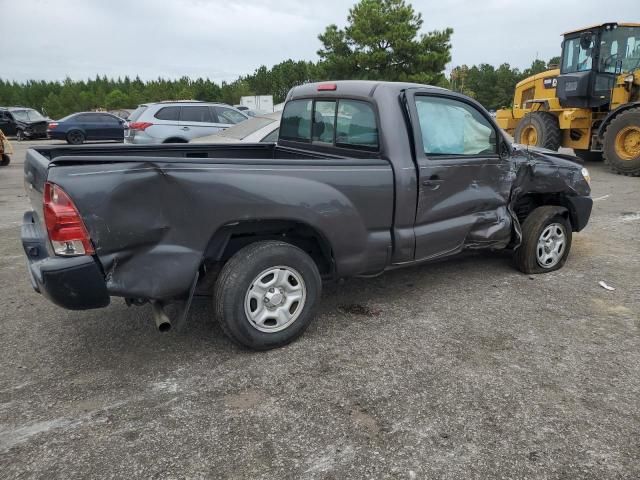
(121,330)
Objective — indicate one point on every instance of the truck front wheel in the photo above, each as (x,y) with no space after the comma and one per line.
(266,294)
(546,241)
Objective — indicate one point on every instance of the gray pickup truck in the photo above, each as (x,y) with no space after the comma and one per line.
(365,177)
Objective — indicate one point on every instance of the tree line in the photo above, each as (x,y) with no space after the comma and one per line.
(493,87)
(381,41)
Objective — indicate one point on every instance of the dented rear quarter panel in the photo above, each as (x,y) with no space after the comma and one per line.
(151,220)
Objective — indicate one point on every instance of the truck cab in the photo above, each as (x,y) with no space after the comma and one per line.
(592,59)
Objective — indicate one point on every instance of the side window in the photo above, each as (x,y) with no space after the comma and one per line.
(356,125)
(196,114)
(296,121)
(226,115)
(324,117)
(168,113)
(109,119)
(451,127)
(272,137)
(86,118)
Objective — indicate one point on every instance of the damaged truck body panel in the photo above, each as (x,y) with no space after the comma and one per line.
(366,176)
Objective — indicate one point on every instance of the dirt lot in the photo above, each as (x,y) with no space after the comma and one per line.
(458,370)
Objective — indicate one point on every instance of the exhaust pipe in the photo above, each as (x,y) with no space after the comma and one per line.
(163,322)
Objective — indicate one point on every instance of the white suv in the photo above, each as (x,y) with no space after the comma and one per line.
(179,122)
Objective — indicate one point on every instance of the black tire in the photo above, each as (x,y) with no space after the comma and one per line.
(624,166)
(546,127)
(238,276)
(526,256)
(6,159)
(588,155)
(75,137)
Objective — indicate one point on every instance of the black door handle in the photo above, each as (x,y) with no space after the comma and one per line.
(433,181)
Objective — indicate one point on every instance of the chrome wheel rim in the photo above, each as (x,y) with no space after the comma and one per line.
(275,299)
(551,245)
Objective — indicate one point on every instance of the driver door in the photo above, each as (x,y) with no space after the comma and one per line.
(464,184)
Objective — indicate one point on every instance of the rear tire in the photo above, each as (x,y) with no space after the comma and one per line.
(542,232)
(6,159)
(75,137)
(539,129)
(257,308)
(622,143)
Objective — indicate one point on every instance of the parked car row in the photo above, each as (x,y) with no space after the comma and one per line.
(150,123)
(179,122)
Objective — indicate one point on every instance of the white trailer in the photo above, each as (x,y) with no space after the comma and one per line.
(259,103)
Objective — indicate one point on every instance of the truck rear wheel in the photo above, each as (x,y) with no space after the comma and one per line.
(622,143)
(538,129)
(266,294)
(546,241)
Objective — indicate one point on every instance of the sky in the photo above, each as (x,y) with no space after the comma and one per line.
(224,39)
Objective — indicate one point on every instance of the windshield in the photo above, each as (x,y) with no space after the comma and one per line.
(28,115)
(244,129)
(619,49)
(576,58)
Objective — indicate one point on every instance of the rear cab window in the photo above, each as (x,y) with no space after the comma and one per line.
(341,123)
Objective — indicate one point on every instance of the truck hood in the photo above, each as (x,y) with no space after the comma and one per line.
(26,124)
(548,156)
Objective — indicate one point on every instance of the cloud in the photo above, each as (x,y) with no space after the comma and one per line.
(52,39)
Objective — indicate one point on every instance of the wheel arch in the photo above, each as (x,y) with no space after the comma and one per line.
(230,238)
(527,203)
(613,114)
(176,140)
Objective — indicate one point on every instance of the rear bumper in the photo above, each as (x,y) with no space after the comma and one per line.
(580,211)
(75,283)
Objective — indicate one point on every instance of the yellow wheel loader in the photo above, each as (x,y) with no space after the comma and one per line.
(5,150)
(591,103)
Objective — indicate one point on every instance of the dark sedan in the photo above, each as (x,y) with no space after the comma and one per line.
(79,127)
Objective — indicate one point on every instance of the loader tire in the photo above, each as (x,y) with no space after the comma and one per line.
(539,129)
(622,143)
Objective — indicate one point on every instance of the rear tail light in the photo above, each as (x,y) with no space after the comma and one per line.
(67,232)
(139,125)
(52,125)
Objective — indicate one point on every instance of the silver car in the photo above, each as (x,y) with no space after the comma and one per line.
(179,122)
(260,129)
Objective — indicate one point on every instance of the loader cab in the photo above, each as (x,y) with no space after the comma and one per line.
(592,58)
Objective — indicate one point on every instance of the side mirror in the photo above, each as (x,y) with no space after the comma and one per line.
(585,40)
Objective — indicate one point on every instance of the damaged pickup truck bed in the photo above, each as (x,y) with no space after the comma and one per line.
(366,176)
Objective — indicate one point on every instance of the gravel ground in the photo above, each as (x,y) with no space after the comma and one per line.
(458,370)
